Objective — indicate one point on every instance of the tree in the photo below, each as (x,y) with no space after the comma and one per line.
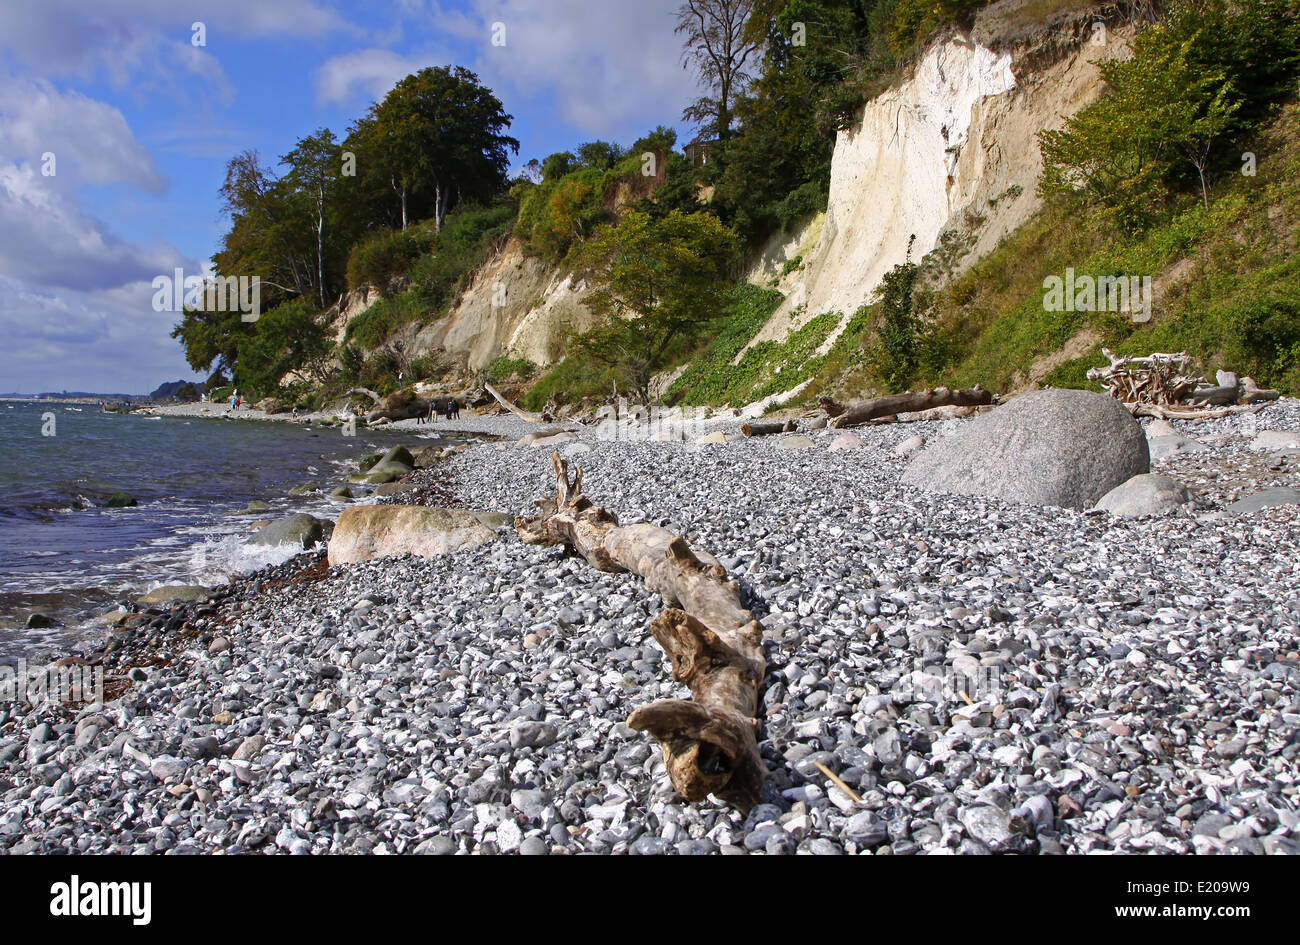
(211,337)
(313,171)
(267,237)
(574,206)
(440,130)
(600,155)
(816,54)
(659,282)
(718,49)
(287,338)
(1164,107)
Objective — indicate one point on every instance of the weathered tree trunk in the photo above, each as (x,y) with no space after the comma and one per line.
(767,429)
(517,411)
(710,744)
(850,415)
(369,393)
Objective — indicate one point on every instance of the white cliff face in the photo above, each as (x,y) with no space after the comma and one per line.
(958,136)
(516,306)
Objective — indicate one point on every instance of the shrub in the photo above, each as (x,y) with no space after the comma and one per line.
(499,368)
(385,255)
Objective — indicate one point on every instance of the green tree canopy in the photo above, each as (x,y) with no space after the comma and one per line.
(658,283)
(441,131)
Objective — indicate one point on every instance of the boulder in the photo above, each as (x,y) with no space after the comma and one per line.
(299,529)
(1147,494)
(717,436)
(845,441)
(796,442)
(399,405)
(398,454)
(121,500)
(255,507)
(374,478)
(368,461)
(1268,499)
(913,444)
(364,532)
(554,439)
(342,492)
(37,621)
(1271,441)
(386,470)
(492,520)
(1065,448)
(174,592)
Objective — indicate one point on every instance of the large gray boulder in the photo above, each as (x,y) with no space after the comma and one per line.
(1066,448)
(300,529)
(1147,494)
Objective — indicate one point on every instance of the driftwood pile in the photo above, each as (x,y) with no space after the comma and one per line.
(1166,386)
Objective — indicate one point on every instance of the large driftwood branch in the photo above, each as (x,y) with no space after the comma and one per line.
(710,744)
(1187,413)
(517,411)
(850,415)
(369,393)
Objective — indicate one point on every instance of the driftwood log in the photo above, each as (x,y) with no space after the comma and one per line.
(855,414)
(517,411)
(710,744)
(1189,413)
(767,429)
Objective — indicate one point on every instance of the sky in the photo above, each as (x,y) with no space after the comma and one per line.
(117,119)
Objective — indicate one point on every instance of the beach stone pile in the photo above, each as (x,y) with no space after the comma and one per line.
(984,674)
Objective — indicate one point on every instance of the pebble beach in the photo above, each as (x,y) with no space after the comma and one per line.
(945,674)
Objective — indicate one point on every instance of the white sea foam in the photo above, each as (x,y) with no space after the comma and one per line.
(220,558)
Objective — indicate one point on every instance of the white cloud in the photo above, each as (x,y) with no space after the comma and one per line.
(601,63)
(48,241)
(108,341)
(83,37)
(90,140)
(368,72)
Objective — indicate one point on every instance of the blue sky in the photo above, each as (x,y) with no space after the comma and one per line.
(141,122)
